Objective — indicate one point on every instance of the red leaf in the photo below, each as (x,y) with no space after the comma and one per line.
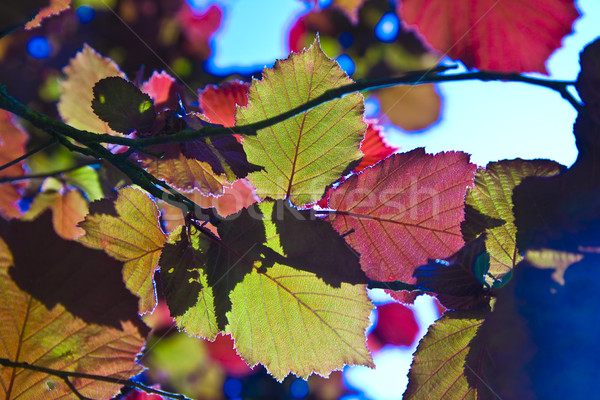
(218,103)
(163,89)
(396,325)
(12,145)
(138,395)
(507,35)
(222,351)
(373,147)
(404,211)
(199,27)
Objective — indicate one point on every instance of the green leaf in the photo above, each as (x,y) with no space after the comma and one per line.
(189,298)
(128,229)
(279,312)
(492,197)
(123,106)
(296,317)
(86,179)
(303,154)
(437,370)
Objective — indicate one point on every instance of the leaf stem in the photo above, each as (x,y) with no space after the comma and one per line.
(65,375)
(29,154)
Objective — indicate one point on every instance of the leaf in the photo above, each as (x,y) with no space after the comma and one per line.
(235,197)
(130,233)
(182,172)
(311,244)
(403,211)
(68,209)
(224,154)
(122,105)
(198,27)
(559,261)
(55,8)
(63,307)
(396,325)
(437,370)
(508,35)
(163,90)
(588,81)
(12,145)
(459,281)
(492,197)
(86,179)
(190,300)
(278,312)
(75,104)
(374,147)
(296,317)
(520,351)
(219,103)
(303,154)
(412,108)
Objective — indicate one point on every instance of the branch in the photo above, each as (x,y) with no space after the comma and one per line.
(65,375)
(29,154)
(396,286)
(47,174)
(411,78)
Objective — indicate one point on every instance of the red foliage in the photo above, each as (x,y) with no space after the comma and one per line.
(374,147)
(218,103)
(396,325)
(222,351)
(508,35)
(199,27)
(400,220)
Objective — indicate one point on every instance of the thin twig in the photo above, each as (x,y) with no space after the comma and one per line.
(68,374)
(74,389)
(396,286)
(47,174)
(29,154)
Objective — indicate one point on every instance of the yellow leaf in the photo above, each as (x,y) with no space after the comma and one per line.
(129,232)
(75,104)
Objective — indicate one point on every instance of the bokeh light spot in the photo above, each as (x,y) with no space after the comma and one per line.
(39,47)
(85,14)
(387,28)
(232,387)
(299,389)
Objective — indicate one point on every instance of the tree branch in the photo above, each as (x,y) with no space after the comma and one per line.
(411,78)
(396,286)
(47,174)
(29,154)
(65,375)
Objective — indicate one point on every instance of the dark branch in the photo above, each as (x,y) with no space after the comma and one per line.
(412,78)
(29,154)
(47,174)
(395,285)
(65,375)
